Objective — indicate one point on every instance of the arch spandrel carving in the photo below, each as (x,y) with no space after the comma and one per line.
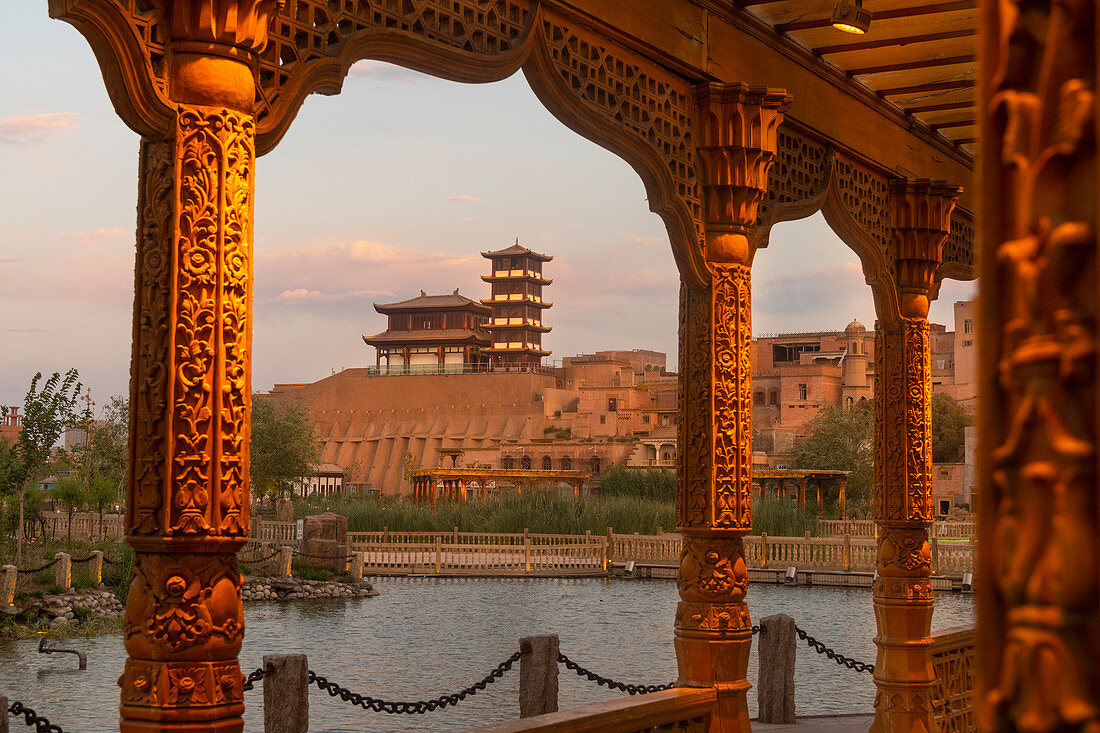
(797,182)
(958,250)
(313,43)
(634,108)
(127,39)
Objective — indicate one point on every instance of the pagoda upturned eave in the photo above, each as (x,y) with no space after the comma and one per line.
(424,303)
(537,279)
(523,326)
(526,300)
(437,336)
(517,250)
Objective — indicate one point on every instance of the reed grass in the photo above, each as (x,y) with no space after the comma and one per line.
(539,512)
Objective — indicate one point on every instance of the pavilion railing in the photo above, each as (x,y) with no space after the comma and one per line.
(392,371)
(953,693)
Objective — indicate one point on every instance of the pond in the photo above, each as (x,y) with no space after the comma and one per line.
(425,636)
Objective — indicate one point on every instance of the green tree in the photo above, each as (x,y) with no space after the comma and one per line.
(103,459)
(70,491)
(284,446)
(949,419)
(47,411)
(841,440)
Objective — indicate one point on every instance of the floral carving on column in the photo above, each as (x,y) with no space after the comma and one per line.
(737,128)
(1039,628)
(920,222)
(189,475)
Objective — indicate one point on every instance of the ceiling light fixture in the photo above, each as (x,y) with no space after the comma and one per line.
(850,16)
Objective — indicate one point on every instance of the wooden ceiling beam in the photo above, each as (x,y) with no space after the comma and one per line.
(911,12)
(908,65)
(930,87)
(899,41)
(941,107)
(948,125)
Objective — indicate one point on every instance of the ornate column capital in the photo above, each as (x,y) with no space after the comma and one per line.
(213,48)
(238,26)
(921,217)
(738,128)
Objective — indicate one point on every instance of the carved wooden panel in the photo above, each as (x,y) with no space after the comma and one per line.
(657,108)
(732,501)
(953,692)
(799,174)
(866,196)
(960,244)
(309,30)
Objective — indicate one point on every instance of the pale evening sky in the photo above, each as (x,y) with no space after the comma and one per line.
(393,186)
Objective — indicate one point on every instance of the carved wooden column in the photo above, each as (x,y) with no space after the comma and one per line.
(903,460)
(737,127)
(187,500)
(1039,499)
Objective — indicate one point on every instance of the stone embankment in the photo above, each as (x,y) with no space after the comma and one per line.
(282,589)
(71,608)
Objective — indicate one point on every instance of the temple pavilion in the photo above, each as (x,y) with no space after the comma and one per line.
(517,305)
(432,333)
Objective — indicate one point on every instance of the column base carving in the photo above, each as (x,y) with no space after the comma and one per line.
(181,696)
(903,667)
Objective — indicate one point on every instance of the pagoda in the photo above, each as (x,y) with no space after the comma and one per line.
(432,333)
(517,306)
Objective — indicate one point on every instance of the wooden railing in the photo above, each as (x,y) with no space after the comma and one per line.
(481,554)
(953,694)
(866,528)
(86,526)
(683,709)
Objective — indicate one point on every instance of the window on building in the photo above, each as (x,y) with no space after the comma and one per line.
(945,507)
(525,463)
(566,463)
(546,465)
(612,404)
(968,326)
(645,419)
(597,464)
(968,343)
(603,419)
(801,391)
(507,463)
(773,396)
(848,402)
(758,397)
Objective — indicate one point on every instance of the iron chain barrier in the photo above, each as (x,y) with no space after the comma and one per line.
(47,566)
(41,723)
(418,707)
(837,657)
(610,683)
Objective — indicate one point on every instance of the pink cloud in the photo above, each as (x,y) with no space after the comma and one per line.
(17,129)
(639,239)
(7,259)
(302,294)
(29,330)
(464,199)
(93,238)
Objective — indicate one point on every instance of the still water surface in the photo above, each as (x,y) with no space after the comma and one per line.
(423,637)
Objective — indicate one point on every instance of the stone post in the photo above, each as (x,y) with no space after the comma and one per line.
(737,129)
(902,503)
(526,552)
(775,691)
(97,567)
(285,560)
(538,675)
(286,693)
(63,570)
(764,549)
(438,553)
(847,552)
(356,566)
(7,586)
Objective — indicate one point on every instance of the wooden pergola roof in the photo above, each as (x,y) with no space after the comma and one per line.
(918,54)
